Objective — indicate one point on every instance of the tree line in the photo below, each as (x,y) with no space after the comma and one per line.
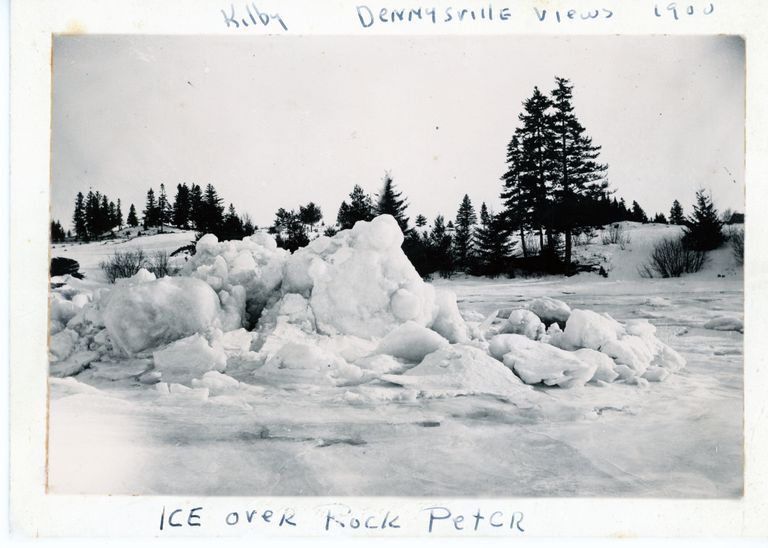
(96,216)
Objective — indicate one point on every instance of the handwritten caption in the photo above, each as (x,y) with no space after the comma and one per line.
(249,15)
(432,519)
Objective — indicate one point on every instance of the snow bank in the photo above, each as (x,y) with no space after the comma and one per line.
(537,362)
(524,322)
(348,310)
(191,357)
(360,282)
(140,316)
(462,370)
(550,310)
(725,323)
(244,273)
(410,342)
(633,345)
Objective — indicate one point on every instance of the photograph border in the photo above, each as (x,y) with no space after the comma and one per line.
(34,513)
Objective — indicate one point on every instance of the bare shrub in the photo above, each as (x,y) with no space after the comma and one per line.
(124,264)
(616,235)
(671,259)
(160,265)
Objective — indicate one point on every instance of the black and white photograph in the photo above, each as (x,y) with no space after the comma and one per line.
(402,266)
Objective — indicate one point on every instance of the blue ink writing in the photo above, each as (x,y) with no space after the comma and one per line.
(442,516)
(174,520)
(252,17)
(369,16)
(287,517)
(573,15)
(344,518)
(672,10)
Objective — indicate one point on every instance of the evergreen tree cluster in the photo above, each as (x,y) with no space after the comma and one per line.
(292,228)
(57,232)
(554,182)
(95,214)
(192,208)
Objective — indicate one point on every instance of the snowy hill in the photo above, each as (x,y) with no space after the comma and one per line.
(623,261)
(91,254)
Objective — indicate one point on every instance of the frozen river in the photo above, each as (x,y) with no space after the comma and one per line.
(678,438)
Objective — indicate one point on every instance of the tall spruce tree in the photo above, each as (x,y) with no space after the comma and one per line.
(359,208)
(703,229)
(213,211)
(181,206)
(164,211)
(518,201)
(463,237)
(389,202)
(637,213)
(196,207)
(132,219)
(150,213)
(534,172)
(78,218)
(104,214)
(119,214)
(676,215)
(578,179)
(91,214)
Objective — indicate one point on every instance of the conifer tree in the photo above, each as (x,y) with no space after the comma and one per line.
(703,229)
(181,206)
(150,210)
(132,219)
(463,237)
(421,220)
(310,214)
(389,202)
(196,207)
(534,171)
(164,212)
(112,215)
(104,214)
(439,242)
(493,243)
(359,208)
(248,227)
(638,214)
(676,215)
(232,227)
(119,214)
(57,232)
(518,201)
(577,177)
(78,218)
(212,211)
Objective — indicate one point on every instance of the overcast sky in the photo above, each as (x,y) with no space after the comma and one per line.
(278,121)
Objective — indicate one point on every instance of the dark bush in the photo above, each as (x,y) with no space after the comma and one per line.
(671,259)
(61,266)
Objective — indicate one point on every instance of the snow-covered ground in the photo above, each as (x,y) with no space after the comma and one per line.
(414,401)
